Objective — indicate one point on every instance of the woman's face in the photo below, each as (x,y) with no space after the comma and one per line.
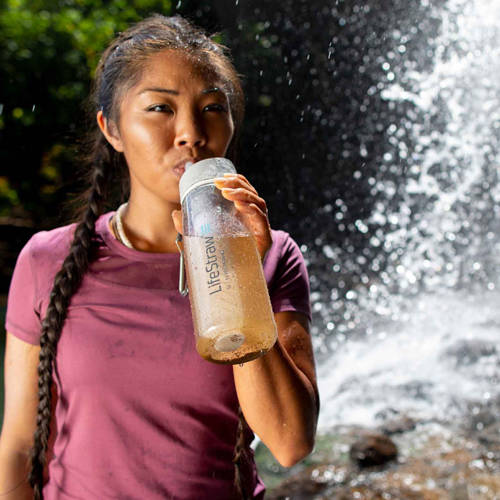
(176,113)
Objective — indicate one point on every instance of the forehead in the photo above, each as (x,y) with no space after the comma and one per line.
(175,69)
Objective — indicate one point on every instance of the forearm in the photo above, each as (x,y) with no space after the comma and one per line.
(279,404)
(13,476)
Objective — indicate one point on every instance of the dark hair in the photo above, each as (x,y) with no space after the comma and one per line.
(119,68)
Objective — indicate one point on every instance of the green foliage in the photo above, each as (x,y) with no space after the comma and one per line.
(48,52)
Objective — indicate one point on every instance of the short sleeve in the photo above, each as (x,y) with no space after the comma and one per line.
(286,275)
(23,318)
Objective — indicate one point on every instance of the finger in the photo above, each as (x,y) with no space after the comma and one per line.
(243,195)
(250,208)
(177,218)
(234,181)
(240,176)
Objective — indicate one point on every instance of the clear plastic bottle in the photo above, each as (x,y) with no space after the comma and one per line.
(232,313)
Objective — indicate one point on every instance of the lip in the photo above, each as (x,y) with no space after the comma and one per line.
(180,167)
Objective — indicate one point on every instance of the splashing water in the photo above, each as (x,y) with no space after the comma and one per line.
(429,364)
(420,333)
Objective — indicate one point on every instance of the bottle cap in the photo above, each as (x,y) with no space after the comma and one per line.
(203,172)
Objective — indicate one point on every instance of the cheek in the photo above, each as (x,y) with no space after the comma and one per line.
(147,141)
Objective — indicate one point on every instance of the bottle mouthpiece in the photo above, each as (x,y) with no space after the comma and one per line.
(203,172)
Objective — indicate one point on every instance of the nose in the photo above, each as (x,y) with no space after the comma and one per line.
(189,131)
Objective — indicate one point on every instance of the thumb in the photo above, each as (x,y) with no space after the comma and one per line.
(177,218)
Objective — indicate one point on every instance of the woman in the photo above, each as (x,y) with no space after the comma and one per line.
(100,340)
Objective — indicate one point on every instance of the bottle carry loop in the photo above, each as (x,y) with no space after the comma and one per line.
(183,289)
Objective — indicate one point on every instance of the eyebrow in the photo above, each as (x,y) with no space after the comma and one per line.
(210,90)
(159,89)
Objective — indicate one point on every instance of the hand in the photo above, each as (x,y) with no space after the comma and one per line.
(251,208)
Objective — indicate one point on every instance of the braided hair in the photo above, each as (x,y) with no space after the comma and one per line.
(119,69)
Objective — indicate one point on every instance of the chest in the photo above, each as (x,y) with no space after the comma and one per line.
(137,345)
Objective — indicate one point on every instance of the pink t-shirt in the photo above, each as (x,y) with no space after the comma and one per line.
(139,415)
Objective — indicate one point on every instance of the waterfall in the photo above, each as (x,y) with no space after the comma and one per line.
(419,334)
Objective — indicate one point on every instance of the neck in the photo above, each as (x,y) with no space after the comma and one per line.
(149,226)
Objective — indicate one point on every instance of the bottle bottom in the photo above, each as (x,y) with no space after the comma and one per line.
(229,342)
(233,348)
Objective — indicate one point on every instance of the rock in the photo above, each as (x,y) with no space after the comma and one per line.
(375,493)
(417,389)
(373,449)
(310,482)
(468,352)
(398,425)
(490,436)
(387,413)
(481,414)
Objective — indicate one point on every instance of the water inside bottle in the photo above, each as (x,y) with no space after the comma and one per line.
(232,313)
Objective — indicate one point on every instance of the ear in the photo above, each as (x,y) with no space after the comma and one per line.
(110,131)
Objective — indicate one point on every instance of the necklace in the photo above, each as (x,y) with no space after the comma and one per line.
(122,237)
(120,232)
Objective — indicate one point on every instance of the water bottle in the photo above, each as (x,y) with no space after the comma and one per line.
(232,315)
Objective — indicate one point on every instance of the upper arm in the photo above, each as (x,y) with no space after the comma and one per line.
(21,394)
(294,337)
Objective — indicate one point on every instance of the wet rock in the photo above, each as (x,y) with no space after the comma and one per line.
(398,425)
(490,436)
(374,493)
(481,414)
(373,449)
(481,419)
(310,482)
(417,389)
(388,413)
(468,352)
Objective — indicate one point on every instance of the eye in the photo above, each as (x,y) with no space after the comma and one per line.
(215,107)
(163,108)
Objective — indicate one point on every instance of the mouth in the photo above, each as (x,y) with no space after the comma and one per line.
(180,168)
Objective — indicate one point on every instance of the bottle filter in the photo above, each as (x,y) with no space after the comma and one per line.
(232,315)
